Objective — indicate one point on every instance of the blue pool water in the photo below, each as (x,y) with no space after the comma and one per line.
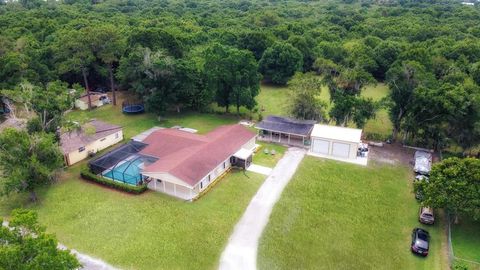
(128,172)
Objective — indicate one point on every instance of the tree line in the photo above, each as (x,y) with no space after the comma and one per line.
(178,55)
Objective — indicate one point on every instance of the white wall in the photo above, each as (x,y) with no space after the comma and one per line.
(352,152)
(214,174)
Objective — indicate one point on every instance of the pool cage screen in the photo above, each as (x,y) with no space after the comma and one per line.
(122,164)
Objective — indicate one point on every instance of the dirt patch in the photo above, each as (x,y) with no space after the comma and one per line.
(392,154)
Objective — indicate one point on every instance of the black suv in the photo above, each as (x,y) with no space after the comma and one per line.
(420,241)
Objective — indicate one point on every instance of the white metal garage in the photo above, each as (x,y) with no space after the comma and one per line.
(335,142)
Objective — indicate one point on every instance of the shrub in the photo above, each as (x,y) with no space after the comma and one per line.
(88,175)
(376,137)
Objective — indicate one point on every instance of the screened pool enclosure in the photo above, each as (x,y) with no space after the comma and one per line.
(123,164)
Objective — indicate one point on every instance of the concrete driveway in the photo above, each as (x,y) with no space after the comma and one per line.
(241,250)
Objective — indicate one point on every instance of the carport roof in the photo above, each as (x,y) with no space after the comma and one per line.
(337,133)
(286,125)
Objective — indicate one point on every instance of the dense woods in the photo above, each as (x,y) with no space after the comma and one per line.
(184,55)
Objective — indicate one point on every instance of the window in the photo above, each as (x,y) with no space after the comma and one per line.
(103,139)
(208,178)
(116,135)
(81,149)
(201,185)
(224,165)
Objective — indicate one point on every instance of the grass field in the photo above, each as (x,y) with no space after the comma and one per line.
(268,160)
(134,124)
(466,241)
(340,216)
(148,231)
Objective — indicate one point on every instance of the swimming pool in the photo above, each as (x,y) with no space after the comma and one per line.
(127,172)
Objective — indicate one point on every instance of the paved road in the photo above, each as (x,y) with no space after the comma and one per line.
(241,250)
(88,262)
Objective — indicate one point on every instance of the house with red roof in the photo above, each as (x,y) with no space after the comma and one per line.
(180,163)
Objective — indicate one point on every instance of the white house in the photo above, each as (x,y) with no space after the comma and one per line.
(177,162)
(339,143)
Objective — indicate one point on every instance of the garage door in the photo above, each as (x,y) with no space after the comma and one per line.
(341,150)
(320,146)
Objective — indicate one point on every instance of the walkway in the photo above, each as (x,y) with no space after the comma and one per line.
(259,169)
(241,250)
(87,262)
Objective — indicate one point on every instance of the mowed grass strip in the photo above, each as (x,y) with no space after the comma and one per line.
(334,215)
(148,231)
(268,160)
(466,240)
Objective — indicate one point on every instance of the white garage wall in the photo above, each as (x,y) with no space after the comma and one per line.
(341,150)
(320,146)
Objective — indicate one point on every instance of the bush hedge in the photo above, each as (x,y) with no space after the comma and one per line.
(88,175)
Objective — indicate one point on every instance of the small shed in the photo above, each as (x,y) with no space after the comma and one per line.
(339,142)
(97,99)
(79,144)
(285,130)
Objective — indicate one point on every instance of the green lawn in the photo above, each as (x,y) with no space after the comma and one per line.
(268,160)
(273,100)
(134,124)
(466,240)
(148,231)
(381,124)
(334,215)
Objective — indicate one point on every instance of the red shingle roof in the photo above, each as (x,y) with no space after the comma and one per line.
(190,157)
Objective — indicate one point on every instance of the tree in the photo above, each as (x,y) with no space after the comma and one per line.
(385,54)
(475,72)
(163,81)
(27,161)
(49,103)
(349,107)
(454,185)
(256,42)
(26,245)
(280,62)
(233,76)
(73,53)
(403,80)
(305,46)
(445,112)
(156,39)
(305,102)
(108,45)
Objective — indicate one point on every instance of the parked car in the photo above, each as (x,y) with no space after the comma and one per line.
(426,215)
(105,99)
(420,242)
(421,177)
(418,190)
(419,194)
(423,162)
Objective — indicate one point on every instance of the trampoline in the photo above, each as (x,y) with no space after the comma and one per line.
(133,109)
